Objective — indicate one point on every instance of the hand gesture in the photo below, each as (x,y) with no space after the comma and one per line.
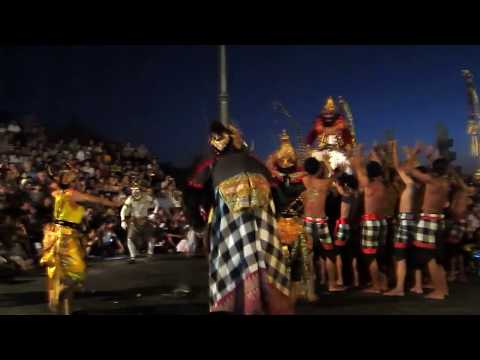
(392,144)
(429,151)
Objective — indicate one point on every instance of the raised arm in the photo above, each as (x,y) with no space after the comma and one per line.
(270,164)
(326,161)
(458,181)
(82,197)
(341,190)
(396,163)
(357,162)
(424,178)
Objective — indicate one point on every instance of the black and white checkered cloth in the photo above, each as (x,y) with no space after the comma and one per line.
(374,235)
(243,243)
(429,230)
(342,232)
(317,229)
(405,233)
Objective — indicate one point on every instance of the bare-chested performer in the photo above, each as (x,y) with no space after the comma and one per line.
(347,187)
(429,234)
(461,200)
(318,184)
(407,217)
(382,155)
(374,225)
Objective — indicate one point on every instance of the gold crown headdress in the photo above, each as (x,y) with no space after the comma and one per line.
(329,106)
(285,156)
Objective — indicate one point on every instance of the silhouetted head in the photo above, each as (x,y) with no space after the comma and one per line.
(374,169)
(314,167)
(350,181)
(440,166)
(422,169)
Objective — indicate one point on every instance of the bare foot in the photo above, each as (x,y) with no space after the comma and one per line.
(53,308)
(336,288)
(395,292)
(416,290)
(372,290)
(435,295)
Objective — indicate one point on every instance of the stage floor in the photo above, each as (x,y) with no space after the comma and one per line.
(170,284)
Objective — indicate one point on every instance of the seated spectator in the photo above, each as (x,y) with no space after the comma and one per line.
(127,151)
(14,127)
(88,169)
(104,242)
(80,155)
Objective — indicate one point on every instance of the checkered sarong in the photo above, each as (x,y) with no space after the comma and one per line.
(342,232)
(246,258)
(457,232)
(405,230)
(317,230)
(429,230)
(374,233)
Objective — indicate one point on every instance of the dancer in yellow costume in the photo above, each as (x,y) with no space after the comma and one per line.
(63,254)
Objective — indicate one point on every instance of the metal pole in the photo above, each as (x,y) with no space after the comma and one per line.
(223,95)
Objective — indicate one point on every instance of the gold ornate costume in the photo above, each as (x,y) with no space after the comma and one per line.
(246,191)
(62,252)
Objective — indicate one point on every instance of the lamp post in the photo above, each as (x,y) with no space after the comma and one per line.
(223,95)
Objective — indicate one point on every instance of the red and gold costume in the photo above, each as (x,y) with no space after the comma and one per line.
(330,137)
(330,129)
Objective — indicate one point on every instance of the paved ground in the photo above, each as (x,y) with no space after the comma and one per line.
(155,287)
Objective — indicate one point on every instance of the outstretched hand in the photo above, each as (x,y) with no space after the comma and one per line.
(392,143)
(429,151)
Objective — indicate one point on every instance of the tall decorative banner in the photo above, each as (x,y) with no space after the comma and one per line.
(473,122)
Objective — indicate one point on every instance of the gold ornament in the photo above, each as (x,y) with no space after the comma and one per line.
(329,105)
(473,129)
(285,157)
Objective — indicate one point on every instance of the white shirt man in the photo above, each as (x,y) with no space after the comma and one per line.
(134,217)
(14,128)
(80,155)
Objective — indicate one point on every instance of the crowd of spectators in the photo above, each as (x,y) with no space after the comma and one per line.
(106,169)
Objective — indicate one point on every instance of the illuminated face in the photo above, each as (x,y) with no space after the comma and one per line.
(67,177)
(286,163)
(328,120)
(219,141)
(285,156)
(136,192)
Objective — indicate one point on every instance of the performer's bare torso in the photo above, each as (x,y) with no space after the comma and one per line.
(314,198)
(375,195)
(436,196)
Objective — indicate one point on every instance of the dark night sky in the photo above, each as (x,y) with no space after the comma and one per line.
(165,96)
